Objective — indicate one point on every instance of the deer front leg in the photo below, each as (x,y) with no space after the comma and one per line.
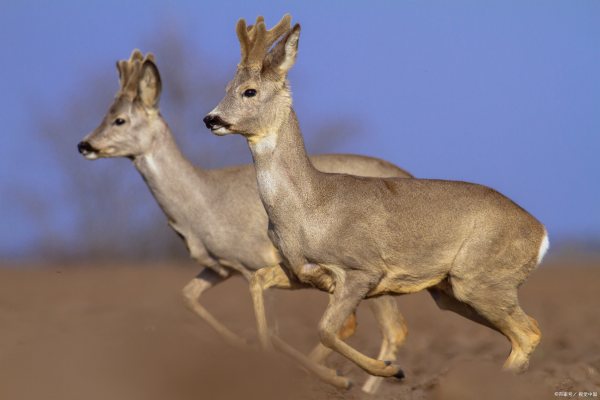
(393,329)
(205,280)
(276,277)
(320,353)
(261,280)
(343,303)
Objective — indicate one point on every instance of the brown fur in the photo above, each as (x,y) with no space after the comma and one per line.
(256,40)
(216,212)
(361,237)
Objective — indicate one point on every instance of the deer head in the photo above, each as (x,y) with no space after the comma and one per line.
(258,98)
(133,120)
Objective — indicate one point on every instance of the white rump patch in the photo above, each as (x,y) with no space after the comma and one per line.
(543,248)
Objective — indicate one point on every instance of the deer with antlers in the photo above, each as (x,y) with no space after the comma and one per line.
(217,212)
(356,237)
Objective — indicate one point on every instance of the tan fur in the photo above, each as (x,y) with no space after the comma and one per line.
(216,212)
(256,40)
(469,245)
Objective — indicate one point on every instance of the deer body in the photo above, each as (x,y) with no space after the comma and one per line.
(203,206)
(213,209)
(217,212)
(361,237)
(406,235)
(358,237)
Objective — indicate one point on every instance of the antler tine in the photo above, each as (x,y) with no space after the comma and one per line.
(260,39)
(123,68)
(131,85)
(242,34)
(274,33)
(136,54)
(129,71)
(258,49)
(279,29)
(251,28)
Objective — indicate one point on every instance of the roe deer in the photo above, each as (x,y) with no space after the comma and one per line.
(357,237)
(217,212)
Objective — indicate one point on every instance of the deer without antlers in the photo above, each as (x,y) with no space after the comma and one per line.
(217,212)
(468,245)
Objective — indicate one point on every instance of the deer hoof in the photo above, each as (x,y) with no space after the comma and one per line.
(391,370)
(342,382)
(399,374)
(348,385)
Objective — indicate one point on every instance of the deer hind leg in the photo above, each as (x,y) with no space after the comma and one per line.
(394,331)
(192,292)
(528,336)
(445,300)
(499,306)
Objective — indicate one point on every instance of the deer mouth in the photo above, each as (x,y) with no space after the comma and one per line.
(217,125)
(87,150)
(91,153)
(220,130)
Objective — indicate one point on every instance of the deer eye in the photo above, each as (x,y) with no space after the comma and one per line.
(249,92)
(119,121)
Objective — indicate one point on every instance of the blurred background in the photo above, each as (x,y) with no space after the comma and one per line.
(501,93)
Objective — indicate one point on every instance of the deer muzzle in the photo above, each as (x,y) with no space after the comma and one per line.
(87,150)
(216,124)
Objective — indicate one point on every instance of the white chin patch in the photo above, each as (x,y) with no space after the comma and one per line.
(221,131)
(92,155)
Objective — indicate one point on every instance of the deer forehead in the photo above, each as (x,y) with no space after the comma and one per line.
(121,105)
(245,74)
(246,77)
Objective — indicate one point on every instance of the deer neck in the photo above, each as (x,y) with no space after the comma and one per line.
(286,177)
(172,179)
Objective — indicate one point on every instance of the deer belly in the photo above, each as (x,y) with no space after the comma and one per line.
(404,283)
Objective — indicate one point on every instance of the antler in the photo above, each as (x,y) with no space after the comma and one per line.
(129,71)
(256,40)
(251,28)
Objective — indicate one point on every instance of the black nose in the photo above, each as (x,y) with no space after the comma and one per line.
(211,121)
(84,147)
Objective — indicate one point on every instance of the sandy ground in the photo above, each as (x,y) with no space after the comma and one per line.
(122,332)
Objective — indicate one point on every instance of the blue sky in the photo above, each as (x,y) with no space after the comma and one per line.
(504,93)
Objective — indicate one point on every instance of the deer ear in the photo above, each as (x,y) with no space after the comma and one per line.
(150,85)
(283,56)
